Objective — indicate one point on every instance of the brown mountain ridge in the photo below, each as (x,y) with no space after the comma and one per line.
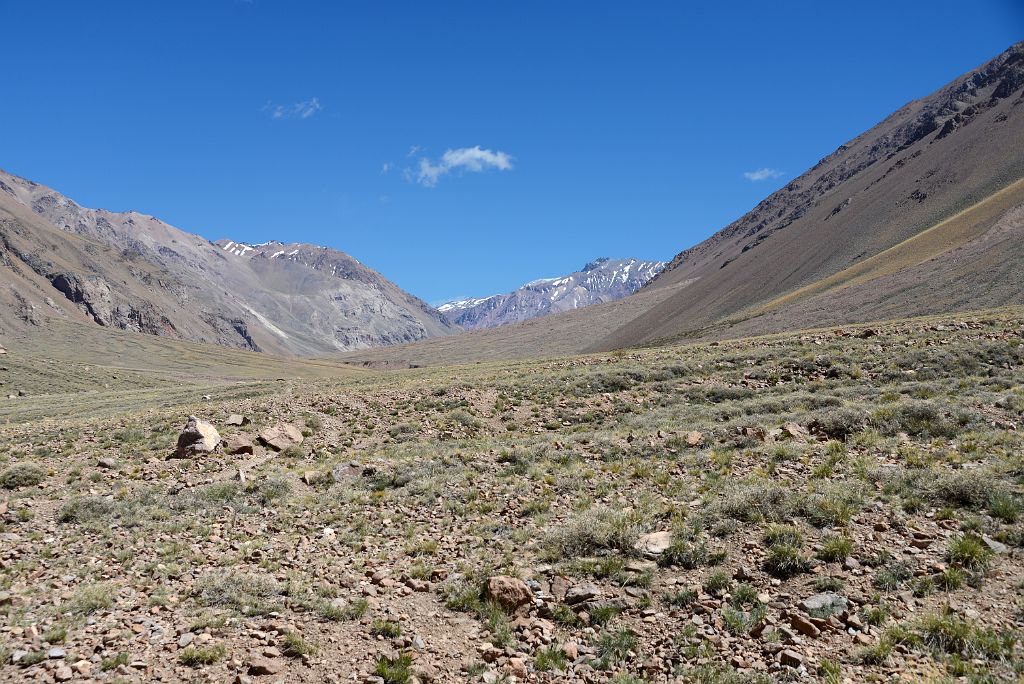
(922,214)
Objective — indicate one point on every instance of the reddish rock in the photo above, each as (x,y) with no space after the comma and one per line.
(258,666)
(238,444)
(804,626)
(509,592)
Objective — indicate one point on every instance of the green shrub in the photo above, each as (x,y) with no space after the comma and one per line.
(613,647)
(247,593)
(21,475)
(386,628)
(397,670)
(892,576)
(295,646)
(679,599)
(968,551)
(687,553)
(835,548)
(776,534)
(550,658)
(717,582)
(785,560)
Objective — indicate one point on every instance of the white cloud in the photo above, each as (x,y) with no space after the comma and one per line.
(472,159)
(385,167)
(299,110)
(761,174)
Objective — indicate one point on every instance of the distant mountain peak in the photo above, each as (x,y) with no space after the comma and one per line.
(601,280)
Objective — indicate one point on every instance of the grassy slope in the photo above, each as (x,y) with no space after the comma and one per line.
(949,234)
(79,369)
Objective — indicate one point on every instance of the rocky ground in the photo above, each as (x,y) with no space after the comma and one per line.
(842,505)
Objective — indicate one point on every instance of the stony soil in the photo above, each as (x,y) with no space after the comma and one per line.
(841,505)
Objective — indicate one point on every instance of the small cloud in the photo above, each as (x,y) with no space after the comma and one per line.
(299,110)
(413,150)
(761,174)
(385,167)
(473,159)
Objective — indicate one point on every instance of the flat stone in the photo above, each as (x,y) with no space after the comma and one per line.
(997,547)
(510,592)
(654,544)
(280,437)
(238,444)
(819,603)
(258,666)
(804,626)
(581,593)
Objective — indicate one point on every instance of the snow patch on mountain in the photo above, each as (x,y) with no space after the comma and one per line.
(601,280)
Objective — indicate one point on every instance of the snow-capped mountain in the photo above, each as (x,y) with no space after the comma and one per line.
(601,280)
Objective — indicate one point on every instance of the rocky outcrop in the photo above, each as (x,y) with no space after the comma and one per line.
(91,294)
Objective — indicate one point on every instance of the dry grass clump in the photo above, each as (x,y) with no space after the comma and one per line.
(246,593)
(599,529)
(751,502)
(21,475)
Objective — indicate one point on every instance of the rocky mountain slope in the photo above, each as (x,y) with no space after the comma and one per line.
(135,272)
(951,161)
(602,280)
(922,214)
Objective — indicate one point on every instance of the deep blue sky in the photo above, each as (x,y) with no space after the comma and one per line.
(626,128)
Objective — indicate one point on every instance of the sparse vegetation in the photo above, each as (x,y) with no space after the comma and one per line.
(333,543)
(195,656)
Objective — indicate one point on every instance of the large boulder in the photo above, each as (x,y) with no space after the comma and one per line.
(281,436)
(509,592)
(198,437)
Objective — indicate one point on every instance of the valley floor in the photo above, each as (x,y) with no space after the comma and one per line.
(835,505)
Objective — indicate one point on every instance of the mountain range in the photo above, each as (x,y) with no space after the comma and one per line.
(134,272)
(601,280)
(921,214)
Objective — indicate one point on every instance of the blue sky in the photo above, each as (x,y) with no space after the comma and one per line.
(573,129)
